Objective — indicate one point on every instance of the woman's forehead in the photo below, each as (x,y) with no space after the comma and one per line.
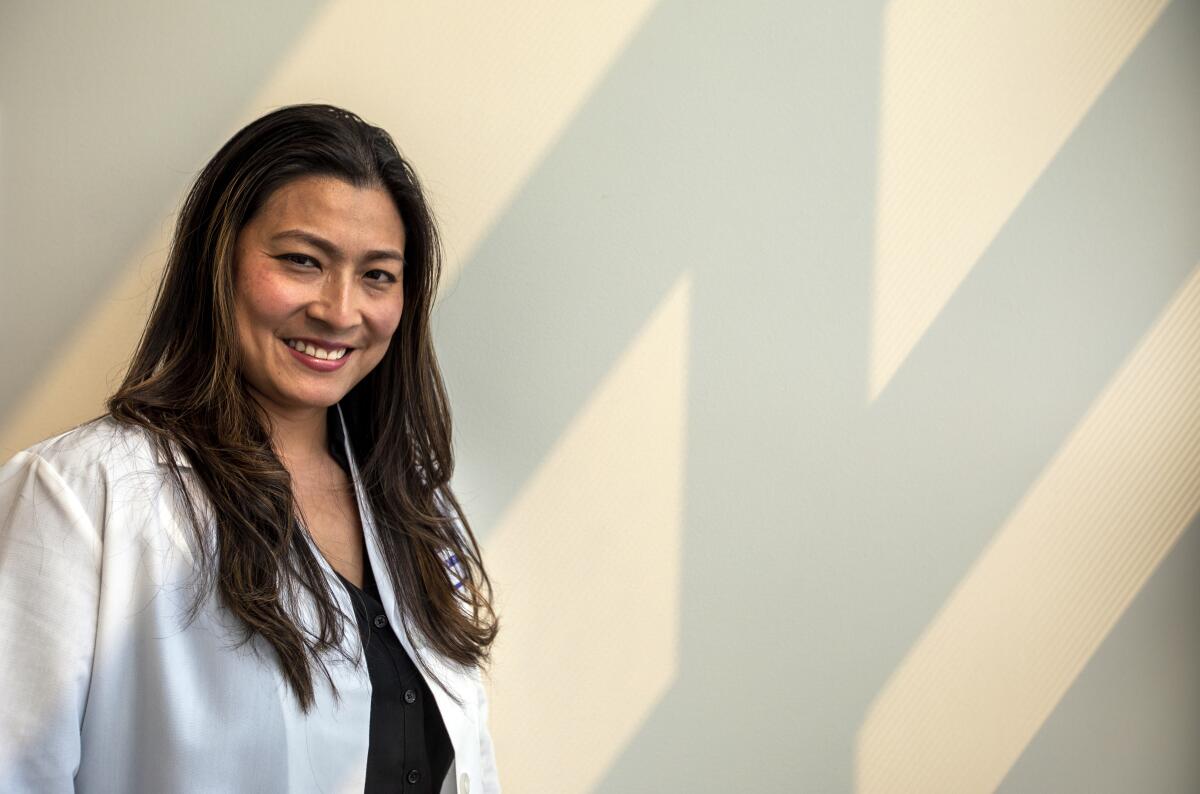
(334,209)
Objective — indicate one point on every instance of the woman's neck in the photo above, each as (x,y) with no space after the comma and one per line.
(299,436)
(300,440)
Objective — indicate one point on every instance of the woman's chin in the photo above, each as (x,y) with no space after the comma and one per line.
(297,400)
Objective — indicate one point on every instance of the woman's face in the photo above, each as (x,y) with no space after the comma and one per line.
(318,291)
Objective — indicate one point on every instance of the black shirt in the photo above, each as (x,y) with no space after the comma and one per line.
(409,748)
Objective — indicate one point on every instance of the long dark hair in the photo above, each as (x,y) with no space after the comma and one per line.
(185,388)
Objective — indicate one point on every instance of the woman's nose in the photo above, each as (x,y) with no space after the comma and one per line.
(336,304)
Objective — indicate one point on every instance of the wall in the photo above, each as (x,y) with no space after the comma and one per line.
(825,375)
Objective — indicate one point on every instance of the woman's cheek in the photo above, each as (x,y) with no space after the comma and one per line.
(384,322)
(275,298)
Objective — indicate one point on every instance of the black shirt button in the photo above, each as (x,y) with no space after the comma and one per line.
(410,696)
(380,621)
(413,776)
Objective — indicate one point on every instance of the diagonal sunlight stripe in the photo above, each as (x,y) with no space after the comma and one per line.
(976,100)
(1015,633)
(586,562)
(475,93)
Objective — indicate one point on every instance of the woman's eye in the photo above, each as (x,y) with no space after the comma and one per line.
(302,260)
(381,276)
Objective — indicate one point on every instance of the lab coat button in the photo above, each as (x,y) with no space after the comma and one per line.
(464,783)
(380,621)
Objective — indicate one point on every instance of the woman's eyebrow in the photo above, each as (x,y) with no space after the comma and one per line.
(332,251)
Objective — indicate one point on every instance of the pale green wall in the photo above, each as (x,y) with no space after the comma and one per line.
(736,143)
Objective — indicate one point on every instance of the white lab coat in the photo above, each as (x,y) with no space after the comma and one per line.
(104,689)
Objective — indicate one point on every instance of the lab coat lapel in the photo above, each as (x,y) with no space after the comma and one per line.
(451,683)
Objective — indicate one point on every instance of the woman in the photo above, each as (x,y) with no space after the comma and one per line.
(251,574)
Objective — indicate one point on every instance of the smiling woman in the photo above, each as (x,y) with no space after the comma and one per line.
(317,284)
(259,576)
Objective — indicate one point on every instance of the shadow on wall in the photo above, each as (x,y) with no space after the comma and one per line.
(822,534)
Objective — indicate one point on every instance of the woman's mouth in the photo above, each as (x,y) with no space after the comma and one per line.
(321,359)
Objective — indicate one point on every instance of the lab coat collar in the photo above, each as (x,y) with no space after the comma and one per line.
(451,684)
(449,681)
(413,644)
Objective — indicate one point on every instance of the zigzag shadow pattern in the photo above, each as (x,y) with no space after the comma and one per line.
(822,533)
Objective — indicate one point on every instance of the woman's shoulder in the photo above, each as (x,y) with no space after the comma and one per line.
(100,445)
(78,482)
(103,474)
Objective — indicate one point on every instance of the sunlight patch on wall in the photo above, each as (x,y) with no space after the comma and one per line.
(976,100)
(1016,632)
(474,93)
(586,562)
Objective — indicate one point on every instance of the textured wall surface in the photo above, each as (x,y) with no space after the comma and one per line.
(825,375)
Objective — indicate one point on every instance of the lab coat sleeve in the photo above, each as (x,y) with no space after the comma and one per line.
(49,593)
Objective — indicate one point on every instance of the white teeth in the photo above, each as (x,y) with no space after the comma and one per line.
(317,352)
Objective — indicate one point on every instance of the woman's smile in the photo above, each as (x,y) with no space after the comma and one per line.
(319,357)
